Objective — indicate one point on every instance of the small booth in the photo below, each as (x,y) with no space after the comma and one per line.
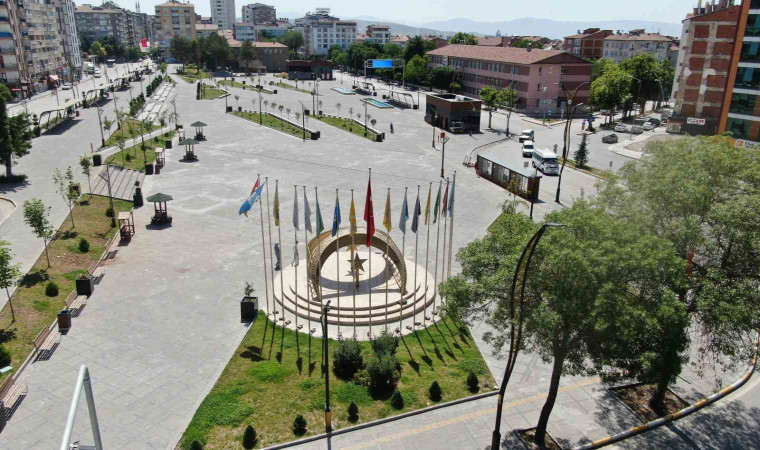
(189,150)
(160,157)
(522,181)
(199,136)
(126,225)
(161,215)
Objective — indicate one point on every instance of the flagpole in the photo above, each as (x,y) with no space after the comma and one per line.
(354,276)
(264,249)
(445,221)
(337,262)
(295,239)
(451,230)
(271,254)
(306,252)
(416,246)
(403,288)
(369,274)
(387,266)
(319,263)
(427,252)
(437,241)
(282,255)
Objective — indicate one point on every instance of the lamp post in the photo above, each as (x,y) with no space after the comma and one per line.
(515,336)
(566,135)
(323,320)
(443,152)
(303,118)
(102,138)
(638,93)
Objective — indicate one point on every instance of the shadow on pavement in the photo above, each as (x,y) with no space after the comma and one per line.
(62,128)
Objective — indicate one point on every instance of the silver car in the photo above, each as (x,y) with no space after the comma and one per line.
(620,128)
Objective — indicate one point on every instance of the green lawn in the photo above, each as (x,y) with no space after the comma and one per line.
(191,75)
(129,128)
(272,122)
(600,173)
(239,85)
(273,376)
(133,157)
(211,93)
(35,310)
(347,125)
(284,85)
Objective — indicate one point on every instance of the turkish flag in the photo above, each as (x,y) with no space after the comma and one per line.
(369,215)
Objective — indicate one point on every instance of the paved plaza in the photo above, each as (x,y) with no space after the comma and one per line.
(164,321)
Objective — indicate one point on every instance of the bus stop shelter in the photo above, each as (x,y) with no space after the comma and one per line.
(521,181)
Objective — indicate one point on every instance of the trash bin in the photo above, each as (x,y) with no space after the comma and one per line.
(169,144)
(85,285)
(96,159)
(64,319)
(149,169)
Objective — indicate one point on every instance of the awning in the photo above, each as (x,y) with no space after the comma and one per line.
(53,77)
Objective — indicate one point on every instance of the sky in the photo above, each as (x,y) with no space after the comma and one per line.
(417,12)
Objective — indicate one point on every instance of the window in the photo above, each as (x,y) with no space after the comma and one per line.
(753,25)
(562,70)
(743,104)
(747,78)
(540,70)
(539,87)
(538,103)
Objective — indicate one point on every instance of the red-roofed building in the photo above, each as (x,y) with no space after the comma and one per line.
(540,77)
(587,44)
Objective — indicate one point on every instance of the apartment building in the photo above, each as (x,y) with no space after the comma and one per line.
(587,44)
(259,13)
(126,27)
(706,60)
(541,78)
(44,51)
(68,29)
(321,31)
(401,40)
(12,68)
(622,46)
(223,13)
(176,19)
(203,30)
(378,34)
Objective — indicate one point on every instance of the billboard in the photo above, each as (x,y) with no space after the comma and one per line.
(380,64)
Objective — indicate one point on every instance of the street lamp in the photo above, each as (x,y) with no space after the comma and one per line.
(326,356)
(515,340)
(303,116)
(102,138)
(566,135)
(638,93)
(443,152)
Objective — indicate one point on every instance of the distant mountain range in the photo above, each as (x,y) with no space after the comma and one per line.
(527,26)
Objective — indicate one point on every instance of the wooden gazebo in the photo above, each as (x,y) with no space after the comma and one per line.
(161,215)
(126,225)
(189,149)
(199,130)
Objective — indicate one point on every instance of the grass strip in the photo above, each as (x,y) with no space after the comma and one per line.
(133,157)
(272,122)
(347,125)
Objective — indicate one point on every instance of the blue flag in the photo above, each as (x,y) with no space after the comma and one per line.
(404,215)
(250,201)
(416,215)
(336,216)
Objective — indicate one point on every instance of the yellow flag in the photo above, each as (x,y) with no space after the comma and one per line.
(277,207)
(387,217)
(352,215)
(427,206)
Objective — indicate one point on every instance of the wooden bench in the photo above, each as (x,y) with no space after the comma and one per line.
(11,394)
(46,342)
(98,274)
(78,305)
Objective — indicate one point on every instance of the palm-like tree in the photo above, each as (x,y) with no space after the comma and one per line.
(298,116)
(373,122)
(288,111)
(337,106)
(237,99)
(319,103)
(107,124)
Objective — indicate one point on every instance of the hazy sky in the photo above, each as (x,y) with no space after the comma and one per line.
(421,11)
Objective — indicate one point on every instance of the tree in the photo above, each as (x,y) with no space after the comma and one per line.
(15,134)
(249,436)
(338,106)
(133,53)
(417,47)
(491,99)
(246,55)
(64,184)
(611,89)
(36,216)
(646,68)
(86,163)
(181,48)
(599,66)
(98,51)
(9,273)
(293,40)
(107,124)
(703,196)
(416,70)
(508,100)
(463,38)
(441,77)
(581,154)
(580,277)
(526,43)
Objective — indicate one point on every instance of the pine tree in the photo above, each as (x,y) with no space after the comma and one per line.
(581,155)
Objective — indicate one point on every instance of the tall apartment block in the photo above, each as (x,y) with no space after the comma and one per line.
(175,19)
(257,13)
(223,13)
(378,34)
(68,29)
(109,20)
(321,31)
(587,44)
(13,71)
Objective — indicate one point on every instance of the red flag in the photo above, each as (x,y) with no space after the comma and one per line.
(446,199)
(369,215)
(255,186)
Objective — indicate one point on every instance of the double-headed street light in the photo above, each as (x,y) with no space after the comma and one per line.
(515,336)
(326,356)
(566,135)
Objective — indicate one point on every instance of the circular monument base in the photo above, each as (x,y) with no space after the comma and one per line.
(376,304)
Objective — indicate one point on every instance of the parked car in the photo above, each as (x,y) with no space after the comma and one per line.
(620,128)
(527,135)
(654,121)
(649,126)
(527,149)
(611,138)
(97,73)
(636,129)
(65,86)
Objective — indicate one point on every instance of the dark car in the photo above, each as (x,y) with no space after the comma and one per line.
(611,138)
(654,121)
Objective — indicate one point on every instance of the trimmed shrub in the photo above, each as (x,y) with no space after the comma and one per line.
(109,212)
(397,401)
(347,358)
(353,412)
(385,344)
(299,425)
(5,358)
(84,246)
(382,372)
(249,437)
(472,382)
(51,290)
(435,391)
(196,446)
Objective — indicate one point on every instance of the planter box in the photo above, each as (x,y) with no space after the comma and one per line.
(85,286)
(149,169)
(97,159)
(64,319)
(249,307)
(229,109)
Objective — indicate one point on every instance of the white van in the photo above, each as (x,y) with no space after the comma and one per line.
(527,149)
(546,161)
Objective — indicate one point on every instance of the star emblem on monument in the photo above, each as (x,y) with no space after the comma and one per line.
(357,263)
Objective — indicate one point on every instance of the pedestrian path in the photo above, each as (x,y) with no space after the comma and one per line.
(122,182)
(155,103)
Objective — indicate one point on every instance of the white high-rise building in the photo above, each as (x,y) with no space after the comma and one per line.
(321,31)
(223,13)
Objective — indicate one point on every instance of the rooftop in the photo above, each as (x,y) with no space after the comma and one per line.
(490,41)
(499,54)
(176,5)
(268,45)
(206,27)
(638,37)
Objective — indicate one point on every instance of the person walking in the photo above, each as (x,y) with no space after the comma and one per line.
(583,125)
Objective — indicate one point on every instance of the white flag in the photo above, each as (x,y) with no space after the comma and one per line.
(295,256)
(295,213)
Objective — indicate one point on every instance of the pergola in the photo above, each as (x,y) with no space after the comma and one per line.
(199,130)
(189,144)
(161,215)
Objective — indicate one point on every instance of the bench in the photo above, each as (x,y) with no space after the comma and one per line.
(97,274)
(46,342)
(11,394)
(78,305)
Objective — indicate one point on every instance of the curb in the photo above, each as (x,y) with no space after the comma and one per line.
(635,431)
(383,421)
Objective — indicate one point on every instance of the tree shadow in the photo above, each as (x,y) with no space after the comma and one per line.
(13,186)
(68,234)
(7,335)
(415,366)
(299,364)
(33,278)
(253,353)
(449,351)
